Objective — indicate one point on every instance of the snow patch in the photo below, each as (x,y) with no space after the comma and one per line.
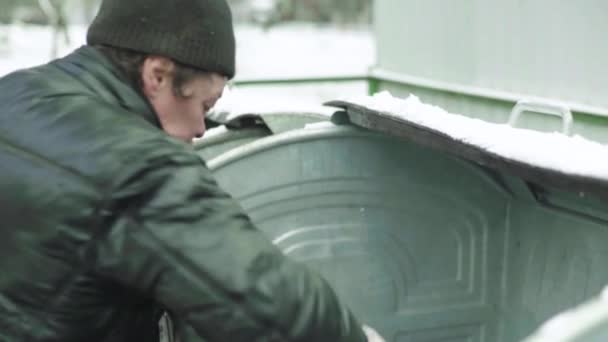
(236,101)
(290,50)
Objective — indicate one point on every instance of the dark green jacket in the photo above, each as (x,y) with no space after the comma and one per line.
(103,217)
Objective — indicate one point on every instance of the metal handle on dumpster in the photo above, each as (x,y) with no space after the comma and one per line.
(543,108)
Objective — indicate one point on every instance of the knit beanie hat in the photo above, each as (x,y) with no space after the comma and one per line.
(197,33)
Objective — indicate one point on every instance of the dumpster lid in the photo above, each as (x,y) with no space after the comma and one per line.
(551,159)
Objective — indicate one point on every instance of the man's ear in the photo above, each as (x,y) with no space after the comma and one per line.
(156,75)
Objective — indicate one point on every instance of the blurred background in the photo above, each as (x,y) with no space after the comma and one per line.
(476,58)
(276,39)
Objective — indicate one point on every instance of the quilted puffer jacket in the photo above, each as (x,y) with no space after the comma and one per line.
(104,219)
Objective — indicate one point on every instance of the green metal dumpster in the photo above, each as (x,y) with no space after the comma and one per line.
(235,129)
(224,138)
(425,237)
(480,57)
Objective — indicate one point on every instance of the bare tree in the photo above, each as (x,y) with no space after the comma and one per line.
(54,11)
(90,8)
(342,12)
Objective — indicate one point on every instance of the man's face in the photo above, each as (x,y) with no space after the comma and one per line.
(182,117)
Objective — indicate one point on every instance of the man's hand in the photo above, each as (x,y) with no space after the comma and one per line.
(372,335)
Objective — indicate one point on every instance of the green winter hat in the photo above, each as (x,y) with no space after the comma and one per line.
(197,33)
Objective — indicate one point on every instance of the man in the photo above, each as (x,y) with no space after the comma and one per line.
(107,215)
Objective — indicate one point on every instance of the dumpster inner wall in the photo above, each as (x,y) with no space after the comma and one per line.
(421,245)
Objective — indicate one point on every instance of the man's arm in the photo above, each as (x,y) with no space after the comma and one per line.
(178,238)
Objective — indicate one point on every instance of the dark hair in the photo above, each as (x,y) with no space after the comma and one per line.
(130,62)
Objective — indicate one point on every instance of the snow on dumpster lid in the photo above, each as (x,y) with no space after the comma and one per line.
(562,154)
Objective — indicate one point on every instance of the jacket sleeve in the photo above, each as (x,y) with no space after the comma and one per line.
(175,236)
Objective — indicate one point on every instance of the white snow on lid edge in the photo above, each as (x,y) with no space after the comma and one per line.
(573,155)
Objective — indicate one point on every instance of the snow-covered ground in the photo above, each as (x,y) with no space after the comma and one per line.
(303,50)
(294,50)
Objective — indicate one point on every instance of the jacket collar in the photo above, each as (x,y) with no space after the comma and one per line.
(106,81)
